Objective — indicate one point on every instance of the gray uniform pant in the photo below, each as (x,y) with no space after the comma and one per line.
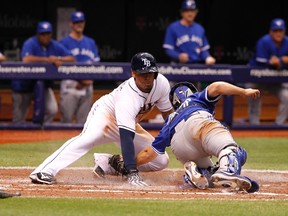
(22,101)
(280,91)
(75,103)
(198,138)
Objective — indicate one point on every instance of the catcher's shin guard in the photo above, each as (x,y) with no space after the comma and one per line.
(231,159)
(194,177)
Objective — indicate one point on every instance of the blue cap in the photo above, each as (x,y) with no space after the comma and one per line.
(188,5)
(44,27)
(78,16)
(277,24)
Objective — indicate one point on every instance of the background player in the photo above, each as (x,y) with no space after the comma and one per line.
(114,118)
(194,136)
(40,48)
(76,97)
(271,52)
(185,40)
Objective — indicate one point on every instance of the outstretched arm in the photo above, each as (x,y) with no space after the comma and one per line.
(223,88)
(145,156)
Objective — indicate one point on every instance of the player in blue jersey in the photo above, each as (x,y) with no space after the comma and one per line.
(43,49)
(272,53)
(194,136)
(76,96)
(185,40)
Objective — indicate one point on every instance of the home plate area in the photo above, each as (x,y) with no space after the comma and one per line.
(166,184)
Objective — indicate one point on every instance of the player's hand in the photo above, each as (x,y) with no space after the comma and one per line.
(253,93)
(83,83)
(135,179)
(210,60)
(183,58)
(55,60)
(275,61)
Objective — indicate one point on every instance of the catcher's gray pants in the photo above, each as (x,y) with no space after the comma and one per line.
(199,138)
(280,91)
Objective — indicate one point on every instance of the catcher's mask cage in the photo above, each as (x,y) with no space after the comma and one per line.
(144,62)
(179,92)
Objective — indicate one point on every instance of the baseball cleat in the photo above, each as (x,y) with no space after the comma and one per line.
(193,176)
(42,178)
(233,181)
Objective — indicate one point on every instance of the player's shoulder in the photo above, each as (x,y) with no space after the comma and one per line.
(265,39)
(176,24)
(65,39)
(87,38)
(198,26)
(162,79)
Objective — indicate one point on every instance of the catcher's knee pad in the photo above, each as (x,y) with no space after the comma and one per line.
(232,158)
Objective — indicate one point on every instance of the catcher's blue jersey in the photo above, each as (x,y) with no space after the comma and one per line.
(194,103)
(191,40)
(84,50)
(266,48)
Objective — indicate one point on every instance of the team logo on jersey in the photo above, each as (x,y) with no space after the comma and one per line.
(146,108)
(146,62)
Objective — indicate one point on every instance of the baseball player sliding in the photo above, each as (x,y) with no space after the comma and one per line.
(194,136)
(114,118)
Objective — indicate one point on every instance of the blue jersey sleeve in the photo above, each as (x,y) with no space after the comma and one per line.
(162,140)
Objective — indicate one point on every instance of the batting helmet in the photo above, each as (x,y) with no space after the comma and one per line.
(179,92)
(144,62)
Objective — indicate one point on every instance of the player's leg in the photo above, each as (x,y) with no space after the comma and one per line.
(68,102)
(141,140)
(51,107)
(94,133)
(21,103)
(283,105)
(217,141)
(188,150)
(254,106)
(85,103)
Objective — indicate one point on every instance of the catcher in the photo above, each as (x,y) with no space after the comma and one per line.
(194,136)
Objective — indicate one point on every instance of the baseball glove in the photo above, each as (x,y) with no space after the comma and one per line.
(117,162)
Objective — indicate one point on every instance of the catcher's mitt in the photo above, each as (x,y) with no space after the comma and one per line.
(117,162)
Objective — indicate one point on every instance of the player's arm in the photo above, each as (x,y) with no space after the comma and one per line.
(127,148)
(166,114)
(145,156)
(158,146)
(33,58)
(223,88)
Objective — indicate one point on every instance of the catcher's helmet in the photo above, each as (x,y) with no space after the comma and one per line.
(144,62)
(179,92)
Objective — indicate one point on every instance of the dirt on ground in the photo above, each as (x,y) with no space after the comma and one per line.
(166,184)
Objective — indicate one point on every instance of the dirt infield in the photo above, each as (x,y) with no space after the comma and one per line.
(81,182)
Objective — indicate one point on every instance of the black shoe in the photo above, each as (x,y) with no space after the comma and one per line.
(44,178)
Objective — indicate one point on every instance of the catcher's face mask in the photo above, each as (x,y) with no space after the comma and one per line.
(180,92)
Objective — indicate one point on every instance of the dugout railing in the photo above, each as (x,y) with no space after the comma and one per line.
(121,71)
